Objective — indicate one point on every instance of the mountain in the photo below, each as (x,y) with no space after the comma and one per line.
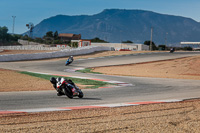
(116,25)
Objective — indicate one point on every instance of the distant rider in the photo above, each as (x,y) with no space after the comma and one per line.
(57,82)
(71,59)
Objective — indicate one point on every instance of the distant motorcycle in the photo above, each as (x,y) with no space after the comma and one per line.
(172,50)
(69,60)
(66,87)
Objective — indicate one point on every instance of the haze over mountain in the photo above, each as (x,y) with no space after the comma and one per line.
(116,25)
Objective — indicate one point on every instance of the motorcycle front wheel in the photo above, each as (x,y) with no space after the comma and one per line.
(80,94)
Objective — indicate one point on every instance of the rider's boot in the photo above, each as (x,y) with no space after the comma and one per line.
(59,93)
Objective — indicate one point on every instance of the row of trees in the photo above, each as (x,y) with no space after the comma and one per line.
(96,39)
(6,38)
(164,47)
(51,38)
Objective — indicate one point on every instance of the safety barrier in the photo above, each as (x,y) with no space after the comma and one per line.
(29,47)
(56,54)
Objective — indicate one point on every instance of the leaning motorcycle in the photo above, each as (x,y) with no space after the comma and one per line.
(67,87)
(68,62)
(172,50)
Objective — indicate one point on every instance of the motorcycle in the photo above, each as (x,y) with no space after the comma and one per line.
(67,87)
(172,50)
(69,61)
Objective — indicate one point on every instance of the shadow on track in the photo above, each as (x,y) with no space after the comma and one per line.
(87,98)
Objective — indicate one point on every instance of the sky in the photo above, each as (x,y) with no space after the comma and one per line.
(34,11)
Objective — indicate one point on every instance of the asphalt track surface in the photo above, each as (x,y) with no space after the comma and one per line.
(142,89)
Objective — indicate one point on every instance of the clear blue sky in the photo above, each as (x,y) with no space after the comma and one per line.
(36,10)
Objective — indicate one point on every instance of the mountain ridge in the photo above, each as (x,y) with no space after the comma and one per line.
(116,25)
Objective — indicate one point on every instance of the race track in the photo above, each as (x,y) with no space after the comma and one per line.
(142,89)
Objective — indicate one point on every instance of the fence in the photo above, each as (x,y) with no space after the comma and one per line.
(26,45)
(29,47)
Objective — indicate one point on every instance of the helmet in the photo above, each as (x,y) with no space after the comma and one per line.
(71,56)
(53,80)
(59,79)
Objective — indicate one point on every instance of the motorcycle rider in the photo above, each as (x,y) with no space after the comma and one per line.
(57,82)
(71,59)
(172,50)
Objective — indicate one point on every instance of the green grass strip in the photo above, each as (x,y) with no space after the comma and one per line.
(87,70)
(94,84)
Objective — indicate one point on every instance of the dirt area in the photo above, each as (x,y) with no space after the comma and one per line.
(182,117)
(167,117)
(184,68)
(23,82)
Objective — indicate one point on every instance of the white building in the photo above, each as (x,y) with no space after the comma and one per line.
(128,46)
(195,45)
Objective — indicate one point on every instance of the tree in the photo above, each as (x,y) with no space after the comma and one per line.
(3,34)
(6,38)
(31,27)
(49,37)
(25,37)
(96,39)
(55,35)
(153,45)
(128,41)
(188,48)
(39,40)
(57,42)
(161,47)
(49,34)
(73,44)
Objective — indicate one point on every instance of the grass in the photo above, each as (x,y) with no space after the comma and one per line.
(94,84)
(87,70)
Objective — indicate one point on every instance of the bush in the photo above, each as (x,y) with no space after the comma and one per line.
(97,40)
(161,47)
(74,44)
(188,48)
(153,45)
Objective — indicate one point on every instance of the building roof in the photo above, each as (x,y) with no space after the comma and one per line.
(66,35)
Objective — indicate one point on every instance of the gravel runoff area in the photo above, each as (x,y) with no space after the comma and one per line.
(181,117)
(163,117)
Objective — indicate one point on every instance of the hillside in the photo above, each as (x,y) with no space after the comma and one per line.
(116,25)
